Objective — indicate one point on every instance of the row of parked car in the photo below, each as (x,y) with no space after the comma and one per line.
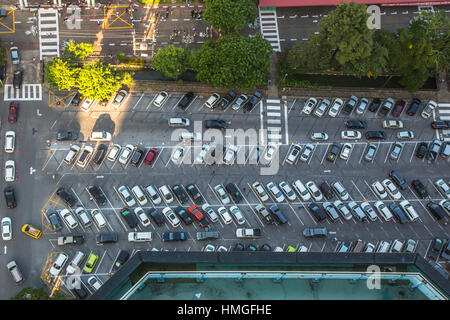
(360,105)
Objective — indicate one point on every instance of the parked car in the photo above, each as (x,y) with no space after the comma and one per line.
(66,196)
(428,110)
(254,100)
(435,249)
(87,104)
(309,105)
(369,212)
(156,216)
(374,105)
(307,152)
(216,124)
(433,151)
(351,135)
(233,191)
(68,218)
(356,124)
(392,124)
(160,99)
(420,189)
(129,217)
(17,78)
(405,135)
(322,108)
(436,210)
(421,150)
(137,156)
(413,107)
(398,213)
(174,236)
(151,156)
(259,191)
(240,101)
(293,154)
(370,151)
(391,189)
(184,215)
(362,106)
(15,58)
(335,107)
(127,198)
(120,96)
(398,179)
(227,100)
(396,151)
(314,191)
(66,135)
(439,124)
(121,258)
(100,154)
(180,194)
(398,108)
(317,212)
(276,193)
(343,210)
(142,216)
(350,105)
(346,151)
(443,188)
(171,217)
(278,214)
(386,107)
(195,194)
(375,135)
(320,136)
(10,197)
(334,151)
(13,111)
(186,100)
(265,215)
(314,232)
(236,213)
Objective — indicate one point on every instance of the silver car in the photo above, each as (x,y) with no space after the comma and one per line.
(370,153)
(362,106)
(396,150)
(323,106)
(239,102)
(307,152)
(120,96)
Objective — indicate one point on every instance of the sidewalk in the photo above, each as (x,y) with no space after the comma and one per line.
(443,83)
(272,89)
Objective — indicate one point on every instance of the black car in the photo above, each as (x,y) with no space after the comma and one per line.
(180,193)
(445,254)
(55,221)
(156,217)
(234,192)
(375,135)
(97,194)
(420,188)
(374,105)
(439,124)
(350,105)
(138,156)
(421,150)
(79,290)
(66,136)
(107,238)
(77,99)
(17,80)
(174,236)
(433,150)
(278,214)
(398,213)
(257,96)
(435,249)
(334,152)
(227,100)
(186,100)
(326,190)
(356,124)
(184,215)
(67,197)
(238,247)
(216,124)
(317,212)
(129,217)
(436,210)
(100,154)
(122,257)
(398,179)
(251,247)
(265,247)
(3,13)
(10,198)
(315,232)
(195,194)
(413,107)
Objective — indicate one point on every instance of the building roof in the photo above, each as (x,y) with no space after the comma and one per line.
(316,3)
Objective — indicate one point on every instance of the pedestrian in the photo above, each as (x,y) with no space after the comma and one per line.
(193,28)
(192,13)
(98,22)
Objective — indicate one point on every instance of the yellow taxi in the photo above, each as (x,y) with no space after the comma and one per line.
(28,229)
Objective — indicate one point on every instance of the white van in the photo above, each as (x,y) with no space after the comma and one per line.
(15,272)
(10,141)
(73,152)
(383,247)
(409,210)
(300,188)
(179,122)
(139,236)
(75,263)
(100,136)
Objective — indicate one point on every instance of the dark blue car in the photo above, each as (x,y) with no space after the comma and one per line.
(398,213)
(257,96)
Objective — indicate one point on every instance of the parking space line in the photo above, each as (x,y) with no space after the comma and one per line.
(251,208)
(117,215)
(362,196)
(100,262)
(152,100)
(142,95)
(293,210)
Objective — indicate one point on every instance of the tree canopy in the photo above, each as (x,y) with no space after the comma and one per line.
(171,60)
(59,74)
(234,61)
(230,15)
(78,51)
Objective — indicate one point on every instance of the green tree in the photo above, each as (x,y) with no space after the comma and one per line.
(230,15)
(234,61)
(78,51)
(59,74)
(2,55)
(30,293)
(309,56)
(171,60)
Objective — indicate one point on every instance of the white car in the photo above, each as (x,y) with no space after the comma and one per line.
(336,107)
(362,106)
(342,209)
(405,135)
(260,192)
(166,194)
(6,229)
(383,210)
(143,218)
(212,100)
(224,215)
(392,124)
(154,196)
(177,154)
(351,135)
(10,171)
(315,192)
(391,189)
(15,59)
(323,106)
(410,246)
(294,154)
(82,214)
(270,151)
(319,136)
(126,196)
(73,152)
(346,151)
(87,105)
(275,192)
(443,188)
(202,155)
(222,249)
(98,218)
(370,213)
(222,195)
(171,217)
(85,156)
(445,204)
(379,190)
(411,213)
(58,264)
(120,96)
(340,191)
(287,190)
(428,110)
(237,215)
(139,195)
(211,213)
(161,99)
(94,283)
(302,249)
(209,248)
(10,141)
(114,152)
(307,152)
(309,105)
(396,246)
(68,217)
(229,154)
(300,188)
(126,153)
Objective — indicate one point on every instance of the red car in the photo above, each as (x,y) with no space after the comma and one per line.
(151,155)
(398,108)
(198,216)
(13,108)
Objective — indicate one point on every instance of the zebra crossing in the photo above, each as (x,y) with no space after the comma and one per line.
(269,27)
(28,92)
(444,111)
(48,33)
(273,112)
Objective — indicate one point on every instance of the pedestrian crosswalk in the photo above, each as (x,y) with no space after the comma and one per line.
(273,112)
(269,27)
(444,111)
(48,33)
(28,92)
